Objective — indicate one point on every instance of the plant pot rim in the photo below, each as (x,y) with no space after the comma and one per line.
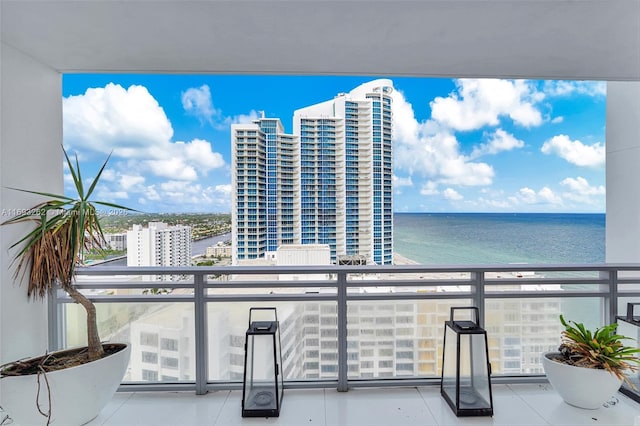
(116,345)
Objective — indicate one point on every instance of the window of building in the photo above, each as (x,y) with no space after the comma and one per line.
(149,357)
(148,339)
(169,344)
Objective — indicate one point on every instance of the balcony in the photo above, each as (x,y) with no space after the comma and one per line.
(343,328)
(43,40)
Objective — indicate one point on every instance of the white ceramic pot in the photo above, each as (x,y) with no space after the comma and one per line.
(579,386)
(78,394)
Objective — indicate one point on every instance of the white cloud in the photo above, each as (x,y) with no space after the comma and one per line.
(199,152)
(401,181)
(575,152)
(433,152)
(224,190)
(567,88)
(197,102)
(429,188)
(581,186)
(499,141)
(151,194)
(527,195)
(452,194)
(195,197)
(580,191)
(242,118)
(481,102)
(132,124)
(129,181)
(557,120)
(499,204)
(128,121)
(173,168)
(543,196)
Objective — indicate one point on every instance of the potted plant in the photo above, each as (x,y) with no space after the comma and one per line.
(67,387)
(590,366)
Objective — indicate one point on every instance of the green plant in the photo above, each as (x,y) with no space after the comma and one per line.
(50,251)
(602,348)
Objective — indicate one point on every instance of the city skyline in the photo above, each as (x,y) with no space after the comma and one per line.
(459,145)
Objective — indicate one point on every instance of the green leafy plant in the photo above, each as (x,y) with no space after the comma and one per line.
(602,348)
(49,252)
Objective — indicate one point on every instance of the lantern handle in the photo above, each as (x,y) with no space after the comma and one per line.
(630,309)
(275,313)
(476,320)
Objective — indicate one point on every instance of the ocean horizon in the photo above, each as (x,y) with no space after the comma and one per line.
(500,238)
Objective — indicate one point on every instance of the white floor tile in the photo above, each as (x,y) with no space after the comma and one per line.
(514,405)
(169,408)
(299,407)
(116,402)
(622,411)
(373,407)
(508,410)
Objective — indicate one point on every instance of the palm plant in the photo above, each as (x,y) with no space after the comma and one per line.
(65,228)
(602,349)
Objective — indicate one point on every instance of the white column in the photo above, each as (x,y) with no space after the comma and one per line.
(623,172)
(30,158)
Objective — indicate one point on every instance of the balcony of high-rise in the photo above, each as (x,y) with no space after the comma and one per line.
(392,377)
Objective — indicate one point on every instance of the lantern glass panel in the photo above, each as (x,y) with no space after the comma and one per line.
(449,367)
(474,374)
(629,326)
(260,375)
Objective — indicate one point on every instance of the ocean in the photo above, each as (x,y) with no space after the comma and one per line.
(500,238)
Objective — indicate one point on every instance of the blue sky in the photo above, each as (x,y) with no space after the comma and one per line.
(460,145)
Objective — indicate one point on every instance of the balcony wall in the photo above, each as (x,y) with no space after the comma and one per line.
(623,172)
(30,158)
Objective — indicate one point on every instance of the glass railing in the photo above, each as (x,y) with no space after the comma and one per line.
(341,326)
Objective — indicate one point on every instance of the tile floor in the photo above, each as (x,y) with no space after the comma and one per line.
(514,405)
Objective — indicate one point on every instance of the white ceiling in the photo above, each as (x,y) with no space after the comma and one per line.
(574,39)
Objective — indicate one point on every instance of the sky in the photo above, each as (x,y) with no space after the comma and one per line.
(459,145)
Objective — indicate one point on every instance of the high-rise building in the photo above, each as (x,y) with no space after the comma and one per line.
(346,172)
(159,245)
(330,182)
(264,213)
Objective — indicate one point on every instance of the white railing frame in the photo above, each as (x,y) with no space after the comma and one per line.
(606,286)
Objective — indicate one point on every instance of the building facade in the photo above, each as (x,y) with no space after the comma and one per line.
(330,182)
(159,245)
(116,241)
(264,209)
(346,172)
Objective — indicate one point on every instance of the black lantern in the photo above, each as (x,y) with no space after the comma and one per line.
(630,326)
(263,382)
(466,382)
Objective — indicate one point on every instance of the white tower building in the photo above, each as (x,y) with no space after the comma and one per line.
(346,172)
(159,245)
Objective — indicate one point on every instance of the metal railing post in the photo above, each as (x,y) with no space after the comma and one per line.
(201,334)
(478,296)
(54,317)
(343,384)
(613,296)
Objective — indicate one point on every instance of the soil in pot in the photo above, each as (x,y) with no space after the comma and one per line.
(55,361)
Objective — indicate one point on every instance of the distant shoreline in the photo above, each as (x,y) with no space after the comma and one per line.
(399,259)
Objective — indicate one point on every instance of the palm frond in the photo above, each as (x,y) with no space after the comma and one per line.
(49,252)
